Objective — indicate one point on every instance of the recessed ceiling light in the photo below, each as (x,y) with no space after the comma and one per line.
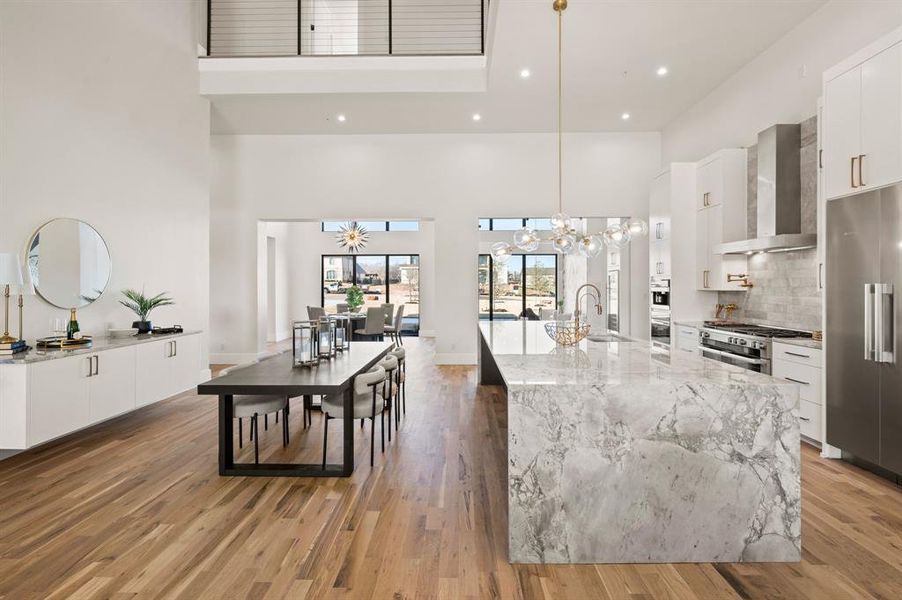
(342,118)
(625,116)
(662,71)
(525,73)
(477,117)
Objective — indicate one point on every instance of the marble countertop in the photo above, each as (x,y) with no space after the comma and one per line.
(99,344)
(803,342)
(525,355)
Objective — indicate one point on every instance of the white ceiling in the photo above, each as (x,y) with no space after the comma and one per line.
(611,52)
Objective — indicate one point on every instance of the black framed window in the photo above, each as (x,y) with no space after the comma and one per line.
(506,290)
(512,224)
(334,226)
(384,278)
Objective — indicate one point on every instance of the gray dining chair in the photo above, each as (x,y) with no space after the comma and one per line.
(252,406)
(375,323)
(315,313)
(341,307)
(394,330)
(389,312)
(367,403)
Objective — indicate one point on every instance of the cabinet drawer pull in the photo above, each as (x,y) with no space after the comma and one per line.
(806,419)
(96,364)
(90,366)
(175,347)
(797,355)
(796,381)
(860,164)
(852,174)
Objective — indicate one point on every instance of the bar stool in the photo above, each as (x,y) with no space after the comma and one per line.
(367,403)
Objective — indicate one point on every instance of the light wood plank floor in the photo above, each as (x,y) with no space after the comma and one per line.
(134,508)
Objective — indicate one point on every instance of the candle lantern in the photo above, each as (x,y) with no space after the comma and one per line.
(342,324)
(304,343)
(326,338)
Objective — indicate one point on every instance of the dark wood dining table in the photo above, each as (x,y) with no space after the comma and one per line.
(276,376)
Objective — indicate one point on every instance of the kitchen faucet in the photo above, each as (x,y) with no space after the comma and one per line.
(597,294)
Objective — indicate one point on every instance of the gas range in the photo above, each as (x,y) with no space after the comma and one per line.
(743,344)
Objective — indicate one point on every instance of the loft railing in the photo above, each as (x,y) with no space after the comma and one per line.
(345,27)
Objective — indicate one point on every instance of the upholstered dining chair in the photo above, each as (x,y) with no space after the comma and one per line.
(389,312)
(367,403)
(389,364)
(315,313)
(375,323)
(394,330)
(401,377)
(252,406)
(341,308)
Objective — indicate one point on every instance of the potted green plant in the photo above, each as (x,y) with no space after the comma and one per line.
(142,306)
(354,298)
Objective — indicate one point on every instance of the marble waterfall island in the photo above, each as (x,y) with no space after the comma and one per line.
(620,453)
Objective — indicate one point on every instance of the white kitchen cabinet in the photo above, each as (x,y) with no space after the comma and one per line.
(111,387)
(687,338)
(59,398)
(659,226)
(802,366)
(45,399)
(720,217)
(862,122)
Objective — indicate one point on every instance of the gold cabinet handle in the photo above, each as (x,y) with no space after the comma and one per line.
(854,158)
(860,164)
(705,279)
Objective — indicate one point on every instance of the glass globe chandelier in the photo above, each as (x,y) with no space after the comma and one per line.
(565,239)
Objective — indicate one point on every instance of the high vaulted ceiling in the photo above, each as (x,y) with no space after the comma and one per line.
(611,53)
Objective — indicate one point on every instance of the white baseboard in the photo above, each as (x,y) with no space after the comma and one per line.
(430,333)
(460,358)
(232,358)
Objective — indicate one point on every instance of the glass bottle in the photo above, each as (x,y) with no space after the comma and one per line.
(72,330)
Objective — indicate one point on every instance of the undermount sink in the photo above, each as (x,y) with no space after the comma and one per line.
(607,337)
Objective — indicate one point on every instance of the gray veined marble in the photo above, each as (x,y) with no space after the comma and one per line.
(618,454)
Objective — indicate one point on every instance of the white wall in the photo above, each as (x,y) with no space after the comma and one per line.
(451,179)
(772,88)
(101,121)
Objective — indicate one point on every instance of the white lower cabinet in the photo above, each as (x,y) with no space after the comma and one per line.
(802,366)
(43,400)
(687,339)
(59,398)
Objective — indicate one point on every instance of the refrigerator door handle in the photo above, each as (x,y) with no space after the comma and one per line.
(884,326)
(869,349)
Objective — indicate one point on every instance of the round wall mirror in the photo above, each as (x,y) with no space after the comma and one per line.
(69,263)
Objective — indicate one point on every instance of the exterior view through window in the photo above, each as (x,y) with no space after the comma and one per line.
(506,290)
(383,278)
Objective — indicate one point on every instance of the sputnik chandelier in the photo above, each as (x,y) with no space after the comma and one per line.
(352,236)
(565,239)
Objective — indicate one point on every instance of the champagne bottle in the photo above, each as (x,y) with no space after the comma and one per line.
(72,330)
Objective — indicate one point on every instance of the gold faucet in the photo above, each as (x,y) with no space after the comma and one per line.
(598,307)
(743,278)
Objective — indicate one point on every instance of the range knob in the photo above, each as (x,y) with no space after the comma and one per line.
(731,340)
(742,342)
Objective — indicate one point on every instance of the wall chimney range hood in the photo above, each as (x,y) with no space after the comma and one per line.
(779,196)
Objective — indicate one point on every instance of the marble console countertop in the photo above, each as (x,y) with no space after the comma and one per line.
(619,453)
(99,344)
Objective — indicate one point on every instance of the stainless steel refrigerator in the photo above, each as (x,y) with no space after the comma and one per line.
(864,379)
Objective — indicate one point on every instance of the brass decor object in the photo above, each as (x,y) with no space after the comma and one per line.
(742,278)
(6,338)
(570,333)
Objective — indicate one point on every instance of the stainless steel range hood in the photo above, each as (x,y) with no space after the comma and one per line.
(779,196)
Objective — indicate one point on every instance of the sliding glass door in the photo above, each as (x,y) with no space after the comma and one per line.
(525,281)
(383,278)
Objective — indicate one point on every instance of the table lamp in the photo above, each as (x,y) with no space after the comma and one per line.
(10,274)
(27,289)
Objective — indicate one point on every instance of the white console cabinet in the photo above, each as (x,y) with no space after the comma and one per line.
(42,399)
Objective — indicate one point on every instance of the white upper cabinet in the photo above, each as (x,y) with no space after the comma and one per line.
(721,192)
(862,123)
(881,119)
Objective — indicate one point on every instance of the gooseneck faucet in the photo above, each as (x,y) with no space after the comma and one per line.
(589,293)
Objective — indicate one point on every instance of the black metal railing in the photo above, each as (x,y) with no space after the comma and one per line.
(345,27)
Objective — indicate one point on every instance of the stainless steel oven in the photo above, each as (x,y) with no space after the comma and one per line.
(660,327)
(660,293)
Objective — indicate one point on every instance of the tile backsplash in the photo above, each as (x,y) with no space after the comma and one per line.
(785,291)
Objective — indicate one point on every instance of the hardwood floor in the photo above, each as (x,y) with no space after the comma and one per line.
(134,508)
